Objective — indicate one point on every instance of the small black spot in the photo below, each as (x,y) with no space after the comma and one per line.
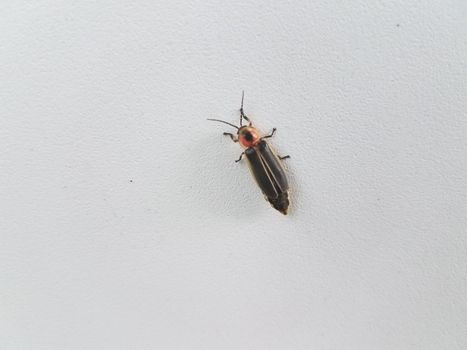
(398,25)
(131,180)
(248,136)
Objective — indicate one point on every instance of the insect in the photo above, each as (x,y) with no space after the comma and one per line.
(264,164)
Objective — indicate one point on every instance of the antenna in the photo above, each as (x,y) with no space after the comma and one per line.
(241,109)
(221,121)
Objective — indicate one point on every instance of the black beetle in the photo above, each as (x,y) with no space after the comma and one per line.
(264,164)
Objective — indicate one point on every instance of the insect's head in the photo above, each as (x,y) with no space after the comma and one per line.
(248,136)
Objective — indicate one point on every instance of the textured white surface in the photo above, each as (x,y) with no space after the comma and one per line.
(125,223)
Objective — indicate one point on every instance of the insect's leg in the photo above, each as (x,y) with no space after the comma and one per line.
(247,119)
(240,158)
(242,113)
(284,157)
(270,135)
(243,116)
(231,136)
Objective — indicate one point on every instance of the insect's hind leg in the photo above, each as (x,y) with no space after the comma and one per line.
(231,136)
(284,157)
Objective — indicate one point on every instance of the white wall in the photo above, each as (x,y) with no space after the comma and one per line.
(125,223)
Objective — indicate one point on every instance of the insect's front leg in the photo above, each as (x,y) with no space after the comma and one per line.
(245,117)
(242,113)
(270,135)
(240,158)
(231,136)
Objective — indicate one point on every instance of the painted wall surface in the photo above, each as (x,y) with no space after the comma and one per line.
(126,224)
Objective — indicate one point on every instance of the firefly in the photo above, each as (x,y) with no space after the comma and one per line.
(266,167)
